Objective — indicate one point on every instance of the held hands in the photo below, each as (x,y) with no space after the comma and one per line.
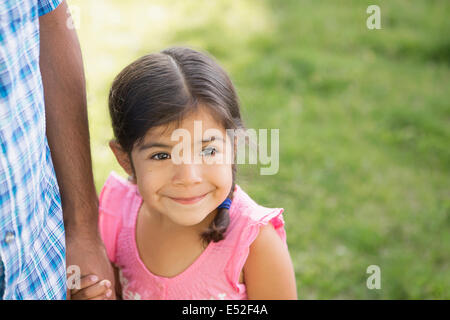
(86,250)
(91,288)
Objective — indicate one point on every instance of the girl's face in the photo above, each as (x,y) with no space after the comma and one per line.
(187,192)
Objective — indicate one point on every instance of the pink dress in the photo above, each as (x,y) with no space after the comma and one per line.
(213,275)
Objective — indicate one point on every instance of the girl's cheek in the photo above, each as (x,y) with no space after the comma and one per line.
(150,181)
(220,175)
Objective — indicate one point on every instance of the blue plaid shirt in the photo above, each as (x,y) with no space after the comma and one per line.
(32,241)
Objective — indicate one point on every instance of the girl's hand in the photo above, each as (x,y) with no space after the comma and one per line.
(92,289)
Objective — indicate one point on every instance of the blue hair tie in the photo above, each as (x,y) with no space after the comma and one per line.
(226,204)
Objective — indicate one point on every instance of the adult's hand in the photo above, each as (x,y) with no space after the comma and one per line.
(87,252)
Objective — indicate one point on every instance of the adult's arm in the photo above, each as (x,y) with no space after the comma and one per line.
(68,137)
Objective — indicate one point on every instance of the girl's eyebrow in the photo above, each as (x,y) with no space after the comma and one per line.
(212,139)
(162,145)
(153,145)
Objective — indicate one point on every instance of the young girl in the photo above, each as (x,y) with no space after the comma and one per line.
(184,230)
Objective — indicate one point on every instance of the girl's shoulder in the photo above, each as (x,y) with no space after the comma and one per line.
(114,190)
(116,193)
(117,200)
(246,219)
(252,214)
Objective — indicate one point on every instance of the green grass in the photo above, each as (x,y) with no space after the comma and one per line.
(364,119)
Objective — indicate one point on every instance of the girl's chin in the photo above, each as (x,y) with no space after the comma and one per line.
(191,220)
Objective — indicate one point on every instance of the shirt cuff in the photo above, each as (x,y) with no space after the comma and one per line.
(45,6)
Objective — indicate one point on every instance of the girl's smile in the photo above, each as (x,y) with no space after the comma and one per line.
(191,200)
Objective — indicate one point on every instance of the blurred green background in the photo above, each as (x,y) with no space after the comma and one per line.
(364,121)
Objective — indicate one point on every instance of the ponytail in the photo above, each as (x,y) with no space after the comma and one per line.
(216,230)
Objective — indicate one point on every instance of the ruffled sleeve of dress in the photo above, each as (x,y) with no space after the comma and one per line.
(251,217)
(112,207)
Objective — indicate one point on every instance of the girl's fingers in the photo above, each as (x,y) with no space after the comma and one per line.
(85,281)
(98,289)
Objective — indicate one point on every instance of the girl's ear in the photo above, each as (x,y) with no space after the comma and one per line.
(121,156)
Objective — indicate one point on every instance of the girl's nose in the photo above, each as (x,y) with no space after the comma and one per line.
(187,174)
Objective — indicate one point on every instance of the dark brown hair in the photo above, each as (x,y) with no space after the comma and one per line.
(163,88)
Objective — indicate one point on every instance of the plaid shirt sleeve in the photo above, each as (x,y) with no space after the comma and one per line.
(32,238)
(45,6)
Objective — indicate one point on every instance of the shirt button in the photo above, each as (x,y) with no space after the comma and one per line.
(9,237)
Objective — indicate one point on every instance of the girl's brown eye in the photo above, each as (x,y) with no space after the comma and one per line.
(210,151)
(160,156)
